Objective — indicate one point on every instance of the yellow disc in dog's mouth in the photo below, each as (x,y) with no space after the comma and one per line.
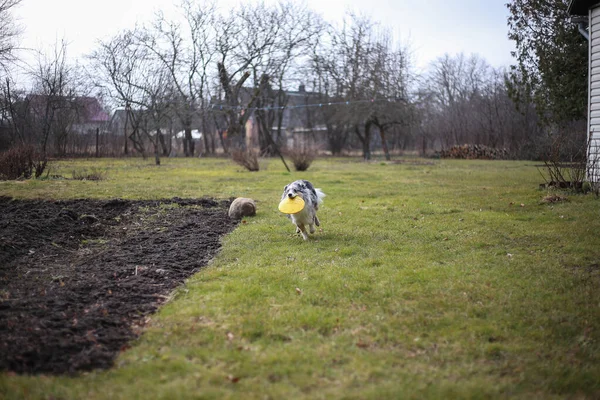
(291,205)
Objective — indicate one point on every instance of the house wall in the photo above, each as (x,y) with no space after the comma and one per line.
(594,96)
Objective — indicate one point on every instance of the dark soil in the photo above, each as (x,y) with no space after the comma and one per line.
(78,278)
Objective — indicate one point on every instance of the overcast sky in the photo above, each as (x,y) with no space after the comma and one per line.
(432,27)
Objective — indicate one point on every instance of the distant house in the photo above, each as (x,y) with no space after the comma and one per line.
(587,14)
(301,114)
(90,116)
(117,122)
(81,114)
(134,120)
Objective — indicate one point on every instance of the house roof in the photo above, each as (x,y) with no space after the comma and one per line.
(93,111)
(581,7)
(89,108)
(295,97)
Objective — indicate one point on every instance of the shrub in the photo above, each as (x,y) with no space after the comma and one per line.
(565,165)
(22,162)
(93,175)
(246,158)
(301,156)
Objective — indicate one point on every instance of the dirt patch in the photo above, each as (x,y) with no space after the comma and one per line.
(587,273)
(78,278)
(554,198)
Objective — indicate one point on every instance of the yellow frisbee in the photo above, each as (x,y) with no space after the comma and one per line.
(291,205)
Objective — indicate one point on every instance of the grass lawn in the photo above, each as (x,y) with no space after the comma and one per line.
(441,280)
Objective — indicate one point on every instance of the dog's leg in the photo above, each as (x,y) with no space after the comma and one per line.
(303,231)
(313,220)
(317,223)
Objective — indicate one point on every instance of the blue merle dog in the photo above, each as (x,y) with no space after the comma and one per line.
(312,199)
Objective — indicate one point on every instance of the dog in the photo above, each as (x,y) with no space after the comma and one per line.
(312,197)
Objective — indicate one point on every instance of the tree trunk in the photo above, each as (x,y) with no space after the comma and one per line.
(163,144)
(170,138)
(155,142)
(235,122)
(223,142)
(365,140)
(126,150)
(220,133)
(205,136)
(156,155)
(97,138)
(366,150)
(137,144)
(263,134)
(386,151)
(188,141)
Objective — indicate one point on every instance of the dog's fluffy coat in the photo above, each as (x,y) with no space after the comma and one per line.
(312,199)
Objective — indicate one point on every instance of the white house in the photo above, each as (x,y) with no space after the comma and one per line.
(587,14)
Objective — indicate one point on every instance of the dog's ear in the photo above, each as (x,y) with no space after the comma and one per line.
(285,188)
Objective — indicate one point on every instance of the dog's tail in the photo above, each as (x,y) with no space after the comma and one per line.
(320,196)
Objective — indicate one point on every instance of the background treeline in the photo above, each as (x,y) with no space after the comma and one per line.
(279,75)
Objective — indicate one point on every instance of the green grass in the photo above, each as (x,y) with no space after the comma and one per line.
(426,281)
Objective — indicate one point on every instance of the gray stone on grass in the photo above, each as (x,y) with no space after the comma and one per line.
(242,207)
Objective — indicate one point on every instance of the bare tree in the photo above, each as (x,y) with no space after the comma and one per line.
(12,109)
(9,32)
(242,42)
(52,104)
(186,52)
(297,27)
(463,100)
(121,67)
(361,65)
(338,66)
(156,104)
(456,83)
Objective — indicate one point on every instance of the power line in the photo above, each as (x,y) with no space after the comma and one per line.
(268,108)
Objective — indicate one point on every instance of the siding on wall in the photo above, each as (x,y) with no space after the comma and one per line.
(594,99)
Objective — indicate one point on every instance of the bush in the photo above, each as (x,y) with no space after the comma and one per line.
(22,162)
(246,158)
(565,163)
(302,156)
(93,175)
